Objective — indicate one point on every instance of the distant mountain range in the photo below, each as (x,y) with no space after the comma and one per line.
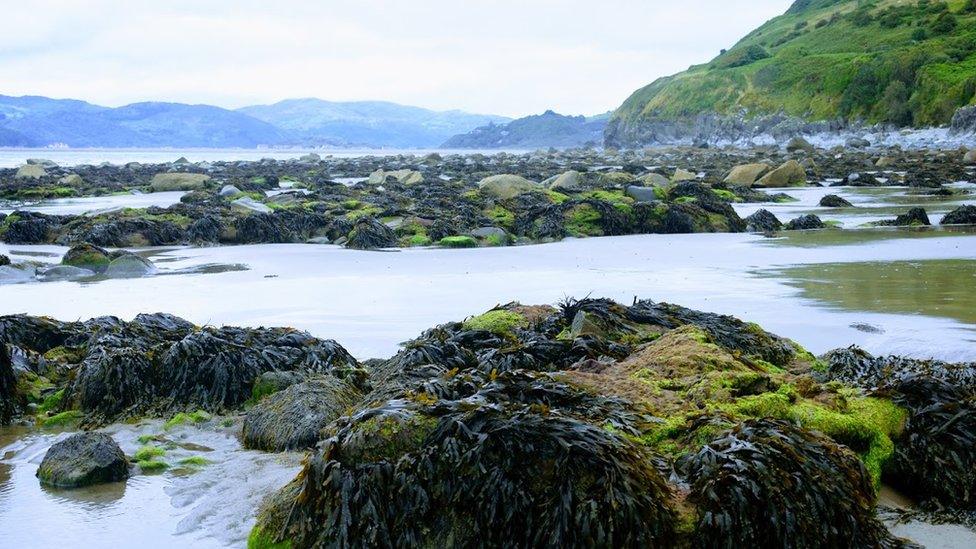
(548,129)
(33,121)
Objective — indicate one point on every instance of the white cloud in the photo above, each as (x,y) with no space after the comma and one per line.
(507,57)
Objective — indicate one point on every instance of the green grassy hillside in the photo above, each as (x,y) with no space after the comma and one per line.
(904,62)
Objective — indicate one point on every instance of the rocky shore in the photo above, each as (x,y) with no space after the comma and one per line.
(589,423)
(458,200)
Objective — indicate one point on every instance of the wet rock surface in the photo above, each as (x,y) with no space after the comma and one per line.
(83,459)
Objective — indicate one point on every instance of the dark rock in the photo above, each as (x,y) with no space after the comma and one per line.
(294,418)
(4,260)
(806,222)
(914,216)
(763,221)
(83,459)
(964,120)
(834,201)
(8,386)
(798,144)
(858,179)
(370,234)
(963,215)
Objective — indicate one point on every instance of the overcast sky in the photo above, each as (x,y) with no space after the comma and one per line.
(511,57)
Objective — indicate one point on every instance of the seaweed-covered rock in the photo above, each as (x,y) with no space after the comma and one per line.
(8,386)
(369,234)
(477,472)
(87,256)
(834,201)
(767,483)
(83,459)
(262,228)
(963,215)
(763,221)
(913,217)
(295,417)
(215,369)
(113,379)
(933,460)
(129,266)
(805,223)
(29,228)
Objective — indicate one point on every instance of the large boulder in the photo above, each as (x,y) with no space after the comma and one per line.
(969,157)
(964,120)
(87,256)
(567,181)
(789,174)
(178,182)
(31,171)
(83,459)
(294,418)
(655,180)
(507,186)
(747,174)
(64,272)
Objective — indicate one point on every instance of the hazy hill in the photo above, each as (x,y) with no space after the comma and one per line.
(376,123)
(41,121)
(543,130)
(900,62)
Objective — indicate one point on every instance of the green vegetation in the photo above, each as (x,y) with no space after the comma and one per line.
(583,220)
(458,242)
(181,418)
(152,465)
(195,461)
(499,321)
(895,61)
(149,452)
(63,419)
(259,539)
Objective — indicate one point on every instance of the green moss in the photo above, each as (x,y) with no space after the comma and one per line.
(195,461)
(501,216)
(181,418)
(617,199)
(496,240)
(388,438)
(148,452)
(498,322)
(31,387)
(63,419)
(93,260)
(583,220)
(262,389)
(685,200)
(419,240)
(152,465)
(145,439)
(259,539)
(726,195)
(867,425)
(65,355)
(458,242)
(556,197)
(52,401)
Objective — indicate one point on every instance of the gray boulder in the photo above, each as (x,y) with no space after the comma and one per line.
(641,194)
(162,182)
(747,174)
(229,190)
(507,186)
(65,272)
(130,266)
(83,459)
(249,205)
(31,171)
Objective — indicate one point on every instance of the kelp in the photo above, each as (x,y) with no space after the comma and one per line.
(294,417)
(768,483)
(498,468)
(8,385)
(370,234)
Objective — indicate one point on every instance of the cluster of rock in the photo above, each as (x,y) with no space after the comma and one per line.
(461,200)
(591,423)
(82,262)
